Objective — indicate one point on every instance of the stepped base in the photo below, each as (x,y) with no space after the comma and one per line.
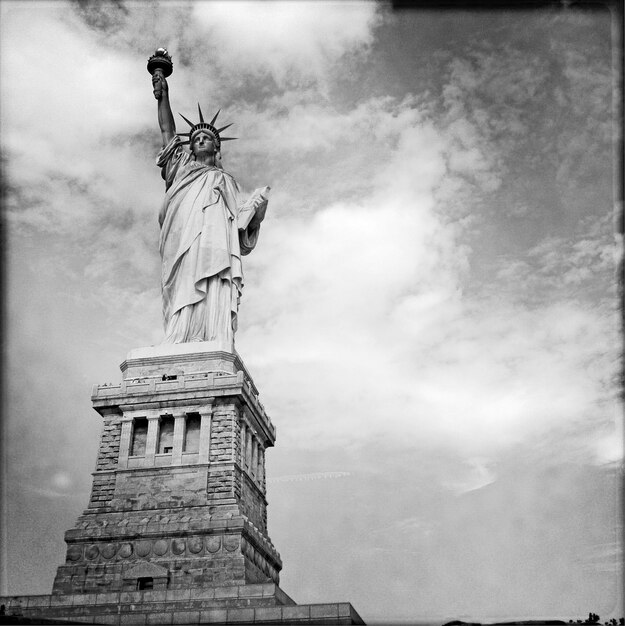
(242,604)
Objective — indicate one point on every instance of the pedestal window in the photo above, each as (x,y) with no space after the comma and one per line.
(139,436)
(166,435)
(192,434)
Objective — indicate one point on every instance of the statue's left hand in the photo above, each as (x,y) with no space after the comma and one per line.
(261,209)
(259,213)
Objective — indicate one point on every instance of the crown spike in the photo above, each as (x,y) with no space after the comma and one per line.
(191,124)
(183,134)
(228,138)
(182,143)
(224,127)
(200,112)
(212,122)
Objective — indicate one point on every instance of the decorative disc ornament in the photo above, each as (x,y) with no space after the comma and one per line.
(142,548)
(126,550)
(108,551)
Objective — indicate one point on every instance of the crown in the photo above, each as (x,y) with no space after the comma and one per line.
(206,127)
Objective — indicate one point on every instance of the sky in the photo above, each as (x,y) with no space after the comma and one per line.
(431,312)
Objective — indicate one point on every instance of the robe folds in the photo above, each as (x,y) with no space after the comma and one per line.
(201,247)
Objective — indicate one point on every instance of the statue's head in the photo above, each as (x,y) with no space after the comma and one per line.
(204,135)
(203,141)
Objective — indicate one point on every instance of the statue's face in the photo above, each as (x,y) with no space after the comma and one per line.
(203,143)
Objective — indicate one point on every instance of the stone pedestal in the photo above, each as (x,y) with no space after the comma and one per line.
(178,497)
(176,526)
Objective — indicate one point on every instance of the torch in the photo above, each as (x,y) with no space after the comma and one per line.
(160,62)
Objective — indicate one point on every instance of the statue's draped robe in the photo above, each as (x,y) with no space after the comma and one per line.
(201,247)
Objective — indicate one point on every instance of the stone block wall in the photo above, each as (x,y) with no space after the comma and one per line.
(221,484)
(102,490)
(223,433)
(156,488)
(253,503)
(108,455)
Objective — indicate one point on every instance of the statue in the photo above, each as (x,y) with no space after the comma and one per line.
(206,225)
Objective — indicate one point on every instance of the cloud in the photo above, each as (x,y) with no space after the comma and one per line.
(485,98)
(301,477)
(292,42)
(97,86)
(479,475)
(62,129)
(374,294)
(604,557)
(297,123)
(581,268)
(383,328)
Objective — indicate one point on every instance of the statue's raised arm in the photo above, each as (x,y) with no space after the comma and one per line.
(161,66)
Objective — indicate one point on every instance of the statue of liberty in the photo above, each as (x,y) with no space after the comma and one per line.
(206,226)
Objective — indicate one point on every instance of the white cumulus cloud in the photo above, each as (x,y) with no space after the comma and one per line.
(291,41)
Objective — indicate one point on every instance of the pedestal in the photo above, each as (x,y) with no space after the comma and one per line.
(178,497)
(176,526)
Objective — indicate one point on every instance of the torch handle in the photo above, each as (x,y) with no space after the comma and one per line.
(158,91)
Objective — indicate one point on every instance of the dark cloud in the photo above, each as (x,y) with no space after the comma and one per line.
(107,16)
